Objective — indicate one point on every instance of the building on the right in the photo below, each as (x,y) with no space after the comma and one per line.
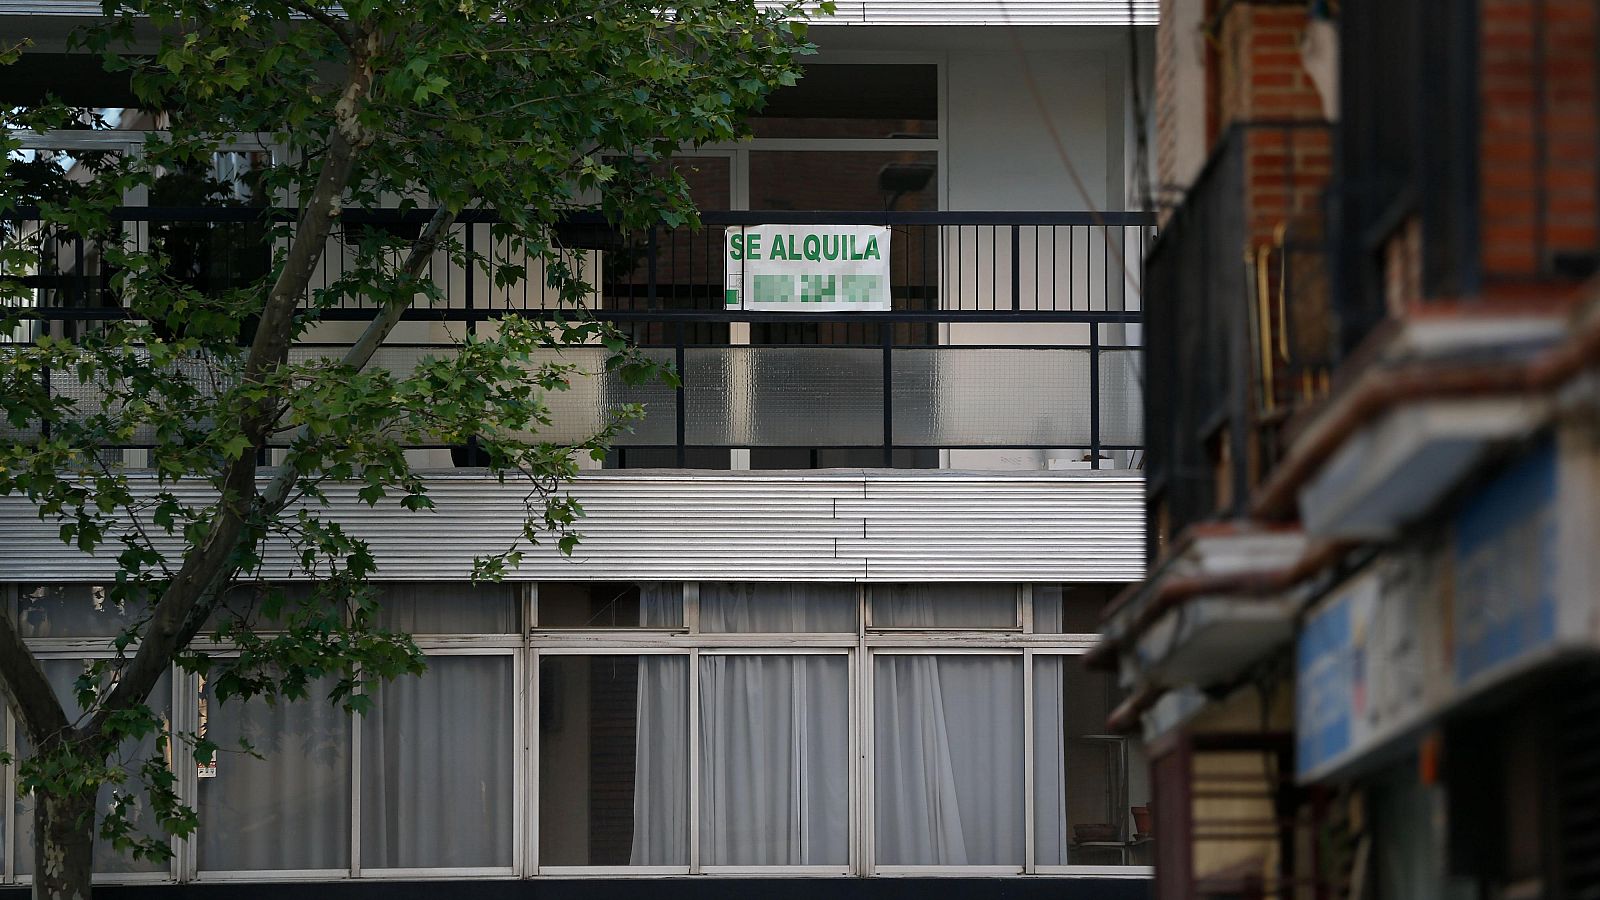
(1366,656)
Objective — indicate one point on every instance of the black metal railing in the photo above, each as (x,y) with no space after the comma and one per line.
(1239,330)
(1007,332)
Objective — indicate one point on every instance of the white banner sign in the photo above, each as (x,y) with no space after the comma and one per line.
(807,268)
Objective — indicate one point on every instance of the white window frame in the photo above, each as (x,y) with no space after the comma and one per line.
(488,645)
(527,647)
(693,729)
(1129,871)
(78,649)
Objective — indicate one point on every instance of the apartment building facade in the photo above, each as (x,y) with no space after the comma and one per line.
(1364,658)
(829,614)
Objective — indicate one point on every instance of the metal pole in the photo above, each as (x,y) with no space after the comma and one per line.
(886,335)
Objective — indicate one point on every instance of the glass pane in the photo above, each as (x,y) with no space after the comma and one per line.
(449,608)
(72,610)
(577,413)
(775,760)
(771,607)
(948,758)
(854,101)
(614,760)
(610,604)
(289,809)
(1070,608)
(107,859)
(687,264)
(784,396)
(1121,397)
(987,396)
(1091,790)
(436,775)
(844,180)
(943,605)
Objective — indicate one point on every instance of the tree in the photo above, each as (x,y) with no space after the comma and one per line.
(519,110)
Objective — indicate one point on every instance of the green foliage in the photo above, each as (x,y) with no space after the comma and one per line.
(528,109)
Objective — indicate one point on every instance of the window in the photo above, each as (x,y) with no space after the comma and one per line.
(775,760)
(437,767)
(604,604)
(1070,608)
(855,101)
(1087,784)
(758,607)
(62,673)
(702,728)
(935,606)
(72,611)
(948,760)
(289,806)
(432,608)
(614,760)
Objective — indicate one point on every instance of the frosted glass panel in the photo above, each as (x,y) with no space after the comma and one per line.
(1121,401)
(1001,398)
(576,412)
(784,396)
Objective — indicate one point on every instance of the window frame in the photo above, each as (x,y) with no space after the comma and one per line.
(527,648)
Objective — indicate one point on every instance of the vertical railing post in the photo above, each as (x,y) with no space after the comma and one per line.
(1016,266)
(472,323)
(678,355)
(886,336)
(1094,395)
(650,271)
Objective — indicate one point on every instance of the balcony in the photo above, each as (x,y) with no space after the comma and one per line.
(1241,331)
(1012,342)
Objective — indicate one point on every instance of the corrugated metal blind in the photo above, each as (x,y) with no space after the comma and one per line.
(847,526)
(860,12)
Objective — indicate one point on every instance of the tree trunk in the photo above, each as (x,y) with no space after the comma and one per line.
(63,847)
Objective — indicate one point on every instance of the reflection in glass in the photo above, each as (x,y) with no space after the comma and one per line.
(289,806)
(614,760)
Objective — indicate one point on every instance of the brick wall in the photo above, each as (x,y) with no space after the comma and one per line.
(1262,76)
(1538,152)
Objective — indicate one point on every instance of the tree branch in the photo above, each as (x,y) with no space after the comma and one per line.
(333,23)
(192,592)
(372,337)
(26,689)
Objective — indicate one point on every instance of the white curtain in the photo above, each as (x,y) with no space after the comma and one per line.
(448,608)
(661,763)
(289,809)
(775,760)
(107,859)
(1050,831)
(948,760)
(660,604)
(944,606)
(436,775)
(1047,617)
(768,607)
